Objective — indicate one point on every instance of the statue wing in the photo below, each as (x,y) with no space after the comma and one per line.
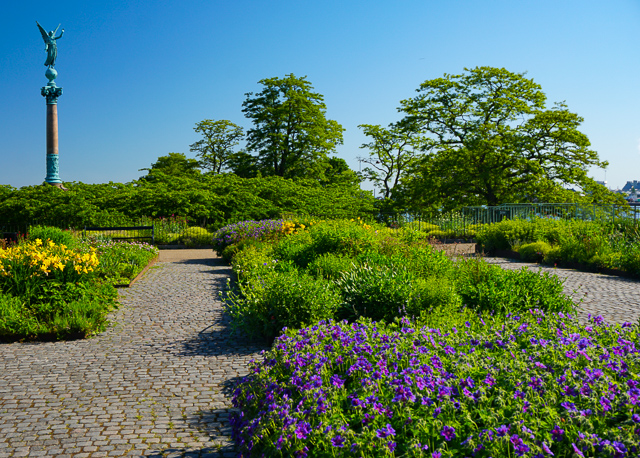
(45,37)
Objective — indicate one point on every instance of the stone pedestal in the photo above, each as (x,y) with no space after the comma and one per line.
(52,92)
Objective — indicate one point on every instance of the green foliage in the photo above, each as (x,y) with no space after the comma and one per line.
(275,300)
(348,238)
(490,140)
(391,153)
(383,292)
(534,252)
(121,262)
(291,136)
(67,311)
(591,243)
(56,235)
(217,145)
(173,165)
(503,235)
(488,288)
(377,274)
(330,266)
(338,173)
(212,201)
(196,236)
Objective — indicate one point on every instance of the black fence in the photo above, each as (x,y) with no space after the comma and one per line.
(122,233)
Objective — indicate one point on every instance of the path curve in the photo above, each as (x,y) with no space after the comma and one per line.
(617,299)
(158,383)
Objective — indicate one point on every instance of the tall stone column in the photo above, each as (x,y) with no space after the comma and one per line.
(52,92)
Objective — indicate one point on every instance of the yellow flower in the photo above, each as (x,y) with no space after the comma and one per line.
(38,242)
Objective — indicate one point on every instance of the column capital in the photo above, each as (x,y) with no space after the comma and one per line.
(51,92)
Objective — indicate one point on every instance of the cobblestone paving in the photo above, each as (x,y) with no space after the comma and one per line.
(156,384)
(617,299)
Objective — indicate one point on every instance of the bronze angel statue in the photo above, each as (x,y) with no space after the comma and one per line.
(50,45)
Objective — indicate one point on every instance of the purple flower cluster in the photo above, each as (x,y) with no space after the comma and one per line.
(257,230)
(508,387)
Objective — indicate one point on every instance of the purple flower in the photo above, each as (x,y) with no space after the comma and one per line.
(302,430)
(448,432)
(385,432)
(336,381)
(502,431)
(576,449)
(557,433)
(489,380)
(546,449)
(337,441)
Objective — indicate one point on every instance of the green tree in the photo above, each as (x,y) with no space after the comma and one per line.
(218,143)
(243,164)
(391,153)
(173,164)
(291,135)
(489,139)
(339,173)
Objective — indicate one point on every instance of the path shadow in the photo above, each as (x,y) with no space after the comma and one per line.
(221,270)
(220,341)
(215,425)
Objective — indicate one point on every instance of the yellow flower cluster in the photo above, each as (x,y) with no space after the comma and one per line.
(44,258)
(289,227)
(362,223)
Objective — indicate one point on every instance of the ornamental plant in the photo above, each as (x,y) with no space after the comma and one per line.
(122,261)
(234,233)
(530,385)
(26,267)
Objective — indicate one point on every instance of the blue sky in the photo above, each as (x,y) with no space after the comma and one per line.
(138,75)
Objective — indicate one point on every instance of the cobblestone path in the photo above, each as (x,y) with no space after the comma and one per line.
(156,384)
(617,299)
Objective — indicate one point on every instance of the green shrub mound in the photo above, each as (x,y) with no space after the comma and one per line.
(54,234)
(594,244)
(369,272)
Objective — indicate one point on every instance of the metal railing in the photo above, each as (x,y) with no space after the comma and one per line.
(122,232)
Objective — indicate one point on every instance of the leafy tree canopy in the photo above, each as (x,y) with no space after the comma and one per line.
(392,151)
(489,139)
(174,165)
(217,146)
(291,136)
(339,173)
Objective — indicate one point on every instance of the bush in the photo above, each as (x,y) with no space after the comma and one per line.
(57,236)
(121,262)
(195,236)
(268,303)
(384,292)
(330,266)
(66,311)
(489,288)
(534,252)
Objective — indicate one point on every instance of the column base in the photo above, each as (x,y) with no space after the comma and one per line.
(57,185)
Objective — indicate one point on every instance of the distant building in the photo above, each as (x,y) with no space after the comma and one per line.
(631,184)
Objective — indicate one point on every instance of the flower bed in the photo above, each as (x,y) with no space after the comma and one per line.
(62,287)
(530,385)
(486,362)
